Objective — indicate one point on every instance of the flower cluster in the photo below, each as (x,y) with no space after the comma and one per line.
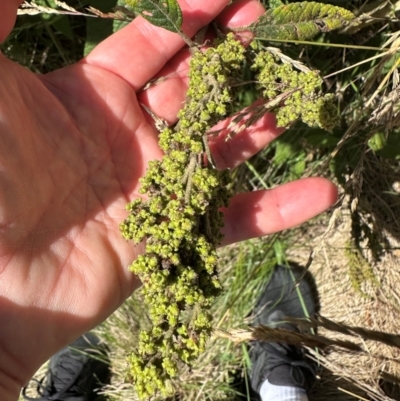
(180,220)
(300,90)
(181,223)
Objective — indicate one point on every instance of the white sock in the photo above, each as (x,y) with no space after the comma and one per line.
(270,392)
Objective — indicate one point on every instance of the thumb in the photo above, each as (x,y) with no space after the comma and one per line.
(8,13)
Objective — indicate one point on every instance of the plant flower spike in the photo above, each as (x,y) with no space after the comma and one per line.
(180,220)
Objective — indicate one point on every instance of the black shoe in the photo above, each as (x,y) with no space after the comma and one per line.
(280,363)
(75,373)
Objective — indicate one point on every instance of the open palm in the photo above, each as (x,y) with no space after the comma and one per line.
(73,144)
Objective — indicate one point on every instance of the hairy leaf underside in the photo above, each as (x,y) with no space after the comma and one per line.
(300,21)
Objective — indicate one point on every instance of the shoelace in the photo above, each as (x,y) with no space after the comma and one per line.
(46,393)
(284,354)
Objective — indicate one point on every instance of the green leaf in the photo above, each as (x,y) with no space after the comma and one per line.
(274,4)
(300,21)
(97,29)
(166,14)
(321,139)
(284,151)
(118,24)
(377,141)
(298,168)
(391,148)
(63,25)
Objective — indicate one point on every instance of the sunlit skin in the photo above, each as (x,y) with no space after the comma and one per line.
(73,144)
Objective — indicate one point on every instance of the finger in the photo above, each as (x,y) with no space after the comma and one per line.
(240,13)
(229,150)
(138,51)
(165,98)
(259,213)
(8,13)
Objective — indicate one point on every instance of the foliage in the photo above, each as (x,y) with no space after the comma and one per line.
(302,20)
(166,14)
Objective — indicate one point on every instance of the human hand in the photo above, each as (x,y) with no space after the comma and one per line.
(73,144)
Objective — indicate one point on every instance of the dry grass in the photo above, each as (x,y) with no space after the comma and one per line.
(372,304)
